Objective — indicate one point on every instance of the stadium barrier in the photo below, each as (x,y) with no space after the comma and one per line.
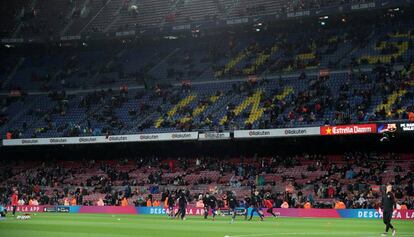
(108,210)
(196,211)
(351,129)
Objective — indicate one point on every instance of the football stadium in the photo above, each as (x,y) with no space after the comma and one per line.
(206,118)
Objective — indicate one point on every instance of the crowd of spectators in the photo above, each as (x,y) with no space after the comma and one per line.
(302,5)
(349,104)
(355,179)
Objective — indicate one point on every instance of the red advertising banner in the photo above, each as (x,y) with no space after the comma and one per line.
(348,129)
(27,208)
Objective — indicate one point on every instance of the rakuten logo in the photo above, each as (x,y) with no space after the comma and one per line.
(295,131)
(87,140)
(148,137)
(180,136)
(30,141)
(57,140)
(118,138)
(259,133)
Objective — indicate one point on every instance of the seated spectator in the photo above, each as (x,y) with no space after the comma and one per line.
(100,203)
(149,203)
(156,203)
(73,202)
(200,204)
(339,205)
(411,116)
(124,202)
(285,204)
(21,202)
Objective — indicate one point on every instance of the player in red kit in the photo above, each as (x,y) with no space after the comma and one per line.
(14,201)
(269,205)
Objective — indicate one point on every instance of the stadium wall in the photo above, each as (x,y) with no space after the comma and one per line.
(195,211)
(351,129)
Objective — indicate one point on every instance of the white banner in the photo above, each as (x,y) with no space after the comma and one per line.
(214,136)
(72,37)
(363,6)
(283,132)
(237,21)
(407,127)
(298,14)
(103,139)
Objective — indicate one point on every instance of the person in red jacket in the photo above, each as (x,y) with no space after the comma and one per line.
(269,205)
(14,201)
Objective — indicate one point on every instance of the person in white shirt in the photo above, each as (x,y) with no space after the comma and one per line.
(21,202)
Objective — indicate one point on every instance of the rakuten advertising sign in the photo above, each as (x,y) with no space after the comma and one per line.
(283,132)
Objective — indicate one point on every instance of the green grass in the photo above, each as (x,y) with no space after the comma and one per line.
(88,225)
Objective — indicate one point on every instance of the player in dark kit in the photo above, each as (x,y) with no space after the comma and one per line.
(232,205)
(246,206)
(182,205)
(171,203)
(388,205)
(210,202)
(256,203)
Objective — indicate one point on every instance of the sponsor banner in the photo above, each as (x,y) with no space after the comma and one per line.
(300,212)
(102,139)
(407,127)
(182,27)
(214,136)
(72,37)
(374,214)
(284,132)
(333,213)
(363,6)
(182,136)
(227,212)
(348,129)
(237,21)
(125,33)
(386,127)
(28,208)
(190,210)
(298,14)
(50,209)
(168,136)
(12,40)
(108,210)
(122,138)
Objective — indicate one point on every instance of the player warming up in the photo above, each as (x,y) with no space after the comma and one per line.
(182,205)
(232,205)
(210,202)
(388,205)
(171,203)
(269,205)
(14,202)
(256,202)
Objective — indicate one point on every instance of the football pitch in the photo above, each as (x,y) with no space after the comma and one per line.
(91,225)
